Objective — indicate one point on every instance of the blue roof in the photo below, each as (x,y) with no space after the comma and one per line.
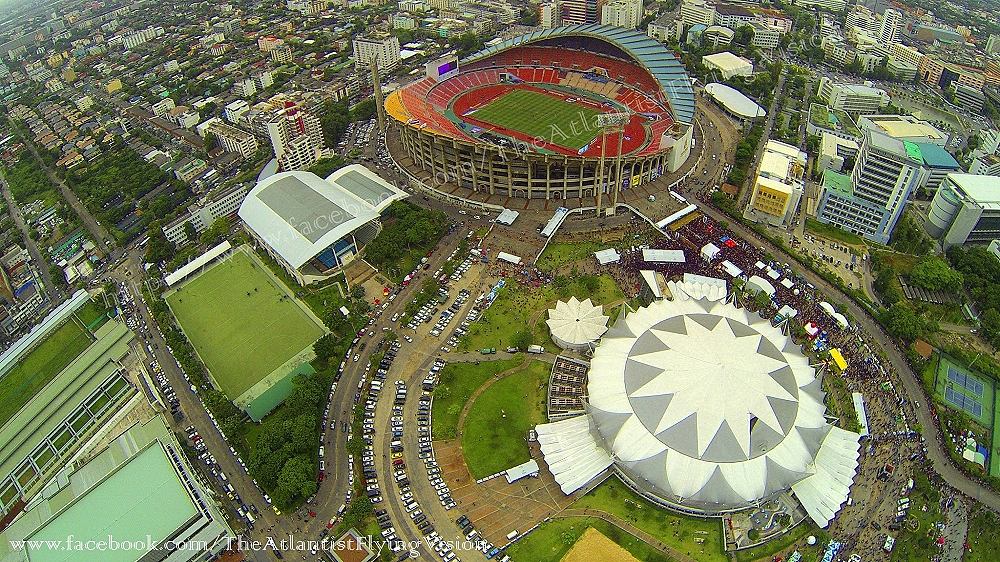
(937,157)
(651,55)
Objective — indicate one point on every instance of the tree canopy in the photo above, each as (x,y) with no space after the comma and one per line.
(934,274)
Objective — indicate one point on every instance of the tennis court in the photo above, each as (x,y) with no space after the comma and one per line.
(965,390)
(243,322)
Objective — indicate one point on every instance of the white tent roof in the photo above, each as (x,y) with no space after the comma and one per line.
(698,287)
(662,256)
(520,471)
(787,312)
(575,323)
(511,258)
(757,283)
(732,269)
(606,256)
(507,216)
(826,490)
(709,251)
(653,395)
(787,283)
(572,453)
(299,214)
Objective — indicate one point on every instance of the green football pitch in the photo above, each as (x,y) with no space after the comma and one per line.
(543,116)
(243,324)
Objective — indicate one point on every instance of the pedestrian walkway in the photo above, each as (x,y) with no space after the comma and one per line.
(628,528)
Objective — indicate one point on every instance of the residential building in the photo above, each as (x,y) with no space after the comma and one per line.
(892,22)
(403,21)
(188,118)
(694,12)
(219,49)
(765,36)
(550,14)
(986,165)
(580,11)
(622,13)
(267,43)
(870,202)
(665,27)
(171,66)
(281,54)
(993,44)
(778,186)
(113,85)
(202,213)
(235,140)
(296,137)
(163,107)
(235,109)
(244,87)
(852,98)
(860,17)
(383,50)
(836,6)
(263,80)
(189,168)
(965,210)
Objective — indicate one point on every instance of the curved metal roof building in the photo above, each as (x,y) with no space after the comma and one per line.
(709,408)
(648,53)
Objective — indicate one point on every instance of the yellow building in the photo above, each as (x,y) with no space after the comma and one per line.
(771,196)
(69,75)
(113,85)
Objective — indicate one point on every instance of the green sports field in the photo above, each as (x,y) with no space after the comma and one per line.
(543,116)
(243,324)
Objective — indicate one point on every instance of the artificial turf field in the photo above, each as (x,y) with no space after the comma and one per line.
(243,324)
(540,115)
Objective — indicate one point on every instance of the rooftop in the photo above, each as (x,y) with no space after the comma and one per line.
(981,189)
(734,101)
(838,182)
(727,61)
(936,157)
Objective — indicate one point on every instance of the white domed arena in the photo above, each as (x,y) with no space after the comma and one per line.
(576,324)
(707,408)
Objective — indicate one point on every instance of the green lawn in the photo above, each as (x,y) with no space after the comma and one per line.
(769,549)
(551,541)
(242,322)
(40,366)
(830,231)
(92,315)
(984,541)
(498,421)
(516,305)
(560,253)
(543,116)
(456,385)
(675,530)
(917,544)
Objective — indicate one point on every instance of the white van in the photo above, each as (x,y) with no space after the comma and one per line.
(511,535)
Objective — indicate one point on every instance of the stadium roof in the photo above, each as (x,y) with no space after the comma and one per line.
(650,54)
(653,396)
(300,214)
(576,324)
(734,101)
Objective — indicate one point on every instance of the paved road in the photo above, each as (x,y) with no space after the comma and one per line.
(55,293)
(772,114)
(939,458)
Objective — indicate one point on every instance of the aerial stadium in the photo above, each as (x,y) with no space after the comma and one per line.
(655,415)
(553,114)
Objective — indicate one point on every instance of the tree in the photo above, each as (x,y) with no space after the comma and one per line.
(903,322)
(158,249)
(934,274)
(521,339)
(325,347)
(190,232)
(364,110)
(58,277)
(211,142)
(220,227)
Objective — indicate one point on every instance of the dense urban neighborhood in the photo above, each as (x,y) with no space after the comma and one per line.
(522,280)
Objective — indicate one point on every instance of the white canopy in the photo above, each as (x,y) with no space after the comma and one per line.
(507,216)
(606,256)
(787,283)
(520,471)
(709,251)
(197,263)
(731,268)
(662,256)
(757,284)
(787,312)
(511,258)
(665,222)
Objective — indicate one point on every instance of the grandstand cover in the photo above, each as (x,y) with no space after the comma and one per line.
(195,264)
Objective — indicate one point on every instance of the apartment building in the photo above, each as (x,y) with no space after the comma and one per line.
(383,50)
(235,140)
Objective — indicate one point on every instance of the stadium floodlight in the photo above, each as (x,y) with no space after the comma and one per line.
(613,119)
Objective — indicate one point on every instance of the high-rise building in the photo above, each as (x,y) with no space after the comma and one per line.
(296,137)
(580,11)
(384,50)
(622,13)
(234,140)
(872,199)
(550,14)
(694,12)
(888,32)
(965,210)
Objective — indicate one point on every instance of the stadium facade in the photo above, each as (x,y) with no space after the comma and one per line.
(60,417)
(607,69)
(656,418)
(314,226)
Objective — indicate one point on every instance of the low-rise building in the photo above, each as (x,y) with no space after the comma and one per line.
(728,64)
(852,98)
(778,185)
(202,213)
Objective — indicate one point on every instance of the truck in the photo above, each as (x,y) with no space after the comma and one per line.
(488,350)
(536,349)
